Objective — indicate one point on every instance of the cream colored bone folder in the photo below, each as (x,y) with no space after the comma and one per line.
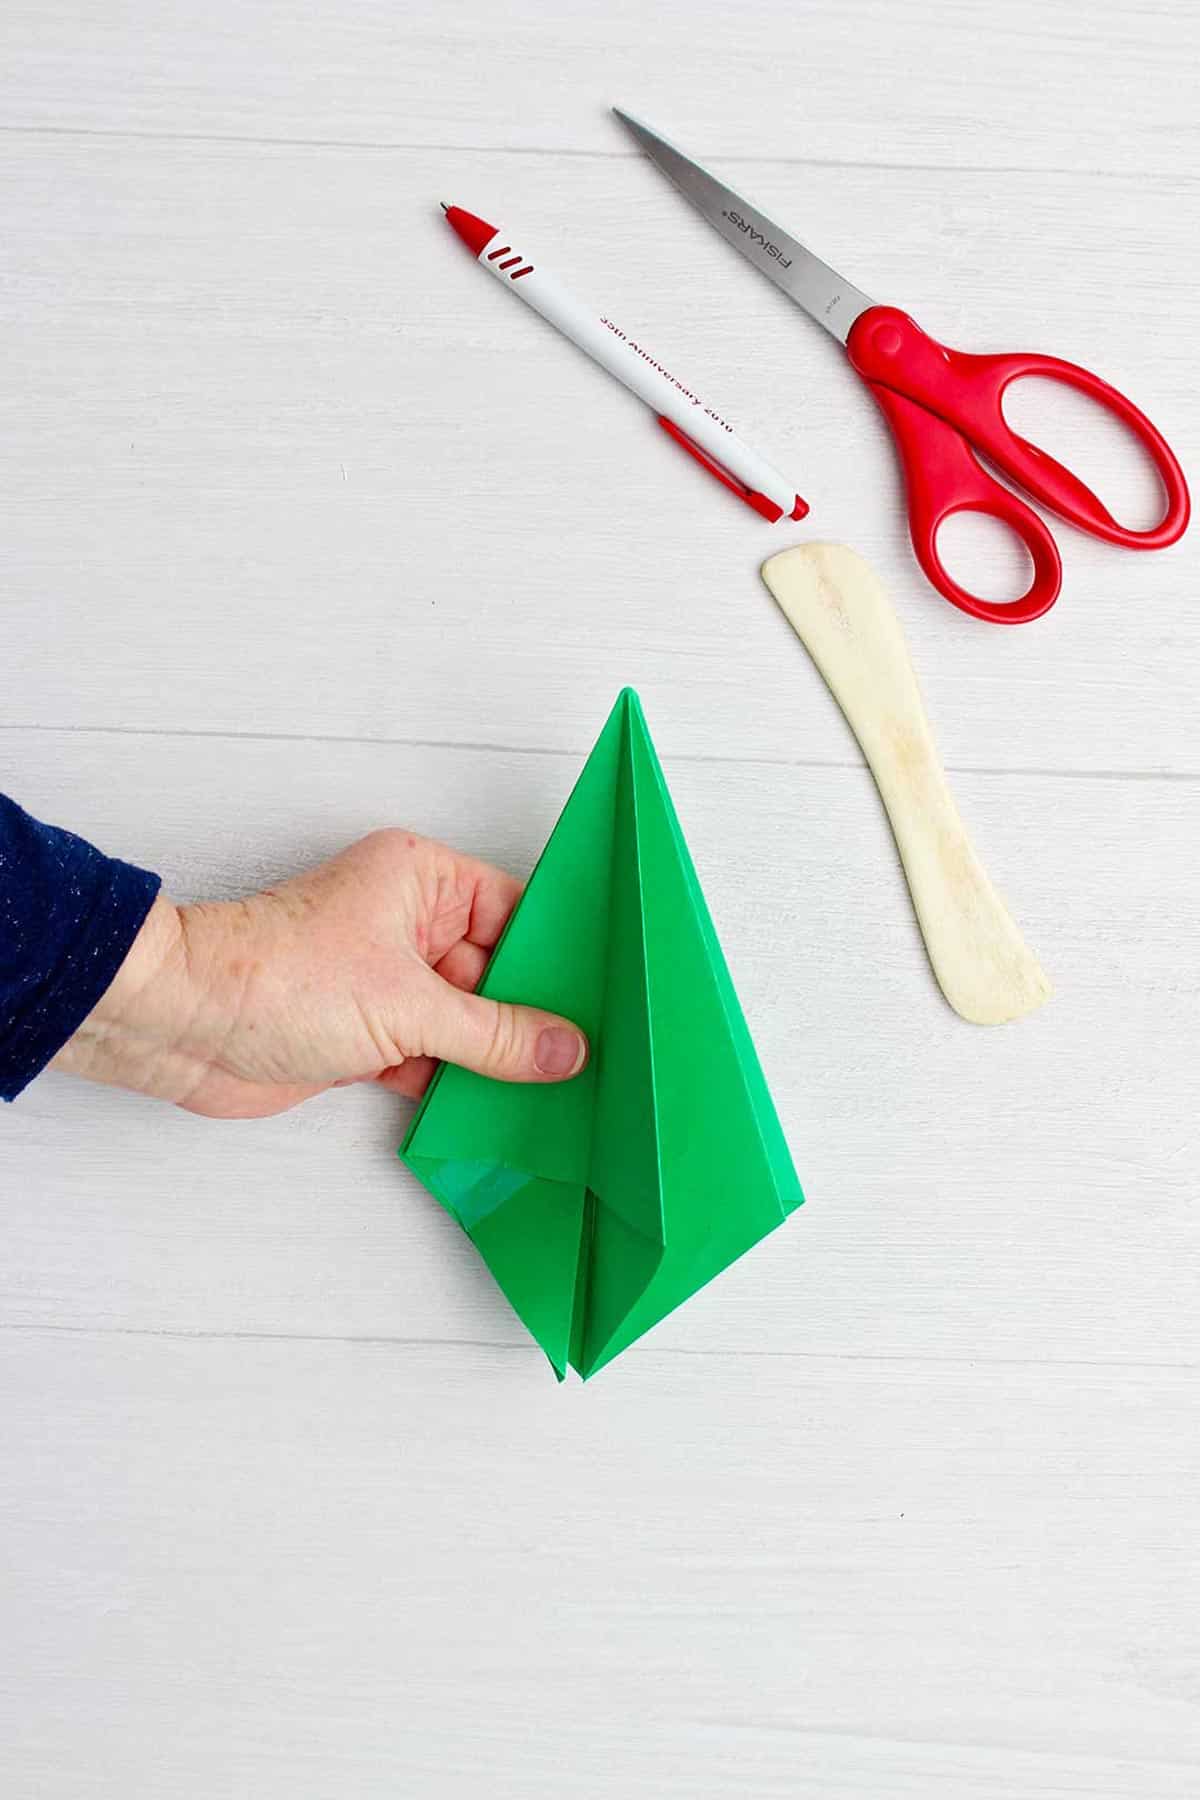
(841,614)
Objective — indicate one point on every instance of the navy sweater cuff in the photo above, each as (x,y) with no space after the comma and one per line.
(68,916)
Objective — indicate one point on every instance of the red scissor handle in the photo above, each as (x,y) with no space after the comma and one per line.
(941,402)
(942,478)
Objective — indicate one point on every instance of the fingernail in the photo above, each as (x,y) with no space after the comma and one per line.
(559,1051)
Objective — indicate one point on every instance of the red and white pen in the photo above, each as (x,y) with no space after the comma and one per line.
(702,432)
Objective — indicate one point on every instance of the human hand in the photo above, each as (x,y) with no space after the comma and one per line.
(360,970)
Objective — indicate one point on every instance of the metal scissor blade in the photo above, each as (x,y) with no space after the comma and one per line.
(812,284)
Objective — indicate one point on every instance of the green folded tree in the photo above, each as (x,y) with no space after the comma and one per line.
(601,1204)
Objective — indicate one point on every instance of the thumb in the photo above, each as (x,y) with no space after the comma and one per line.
(496,1038)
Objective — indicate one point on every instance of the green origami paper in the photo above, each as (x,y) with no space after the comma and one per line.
(603,1203)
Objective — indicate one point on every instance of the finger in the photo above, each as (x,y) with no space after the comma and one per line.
(496,1038)
(496,894)
(463,966)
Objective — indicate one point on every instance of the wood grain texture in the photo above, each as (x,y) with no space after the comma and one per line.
(301,537)
(316,1569)
(864,81)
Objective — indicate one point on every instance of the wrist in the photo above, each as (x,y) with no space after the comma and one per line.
(155,1027)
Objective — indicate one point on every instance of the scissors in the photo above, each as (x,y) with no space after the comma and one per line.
(943,406)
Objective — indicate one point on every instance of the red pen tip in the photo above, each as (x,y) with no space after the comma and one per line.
(475,233)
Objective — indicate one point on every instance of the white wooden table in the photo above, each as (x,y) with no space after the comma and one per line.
(301,536)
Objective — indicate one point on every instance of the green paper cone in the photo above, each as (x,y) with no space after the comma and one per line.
(601,1204)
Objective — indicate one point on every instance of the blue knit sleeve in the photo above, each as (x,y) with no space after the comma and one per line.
(68,915)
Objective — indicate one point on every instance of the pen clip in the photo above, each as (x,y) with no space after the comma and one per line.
(766,508)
